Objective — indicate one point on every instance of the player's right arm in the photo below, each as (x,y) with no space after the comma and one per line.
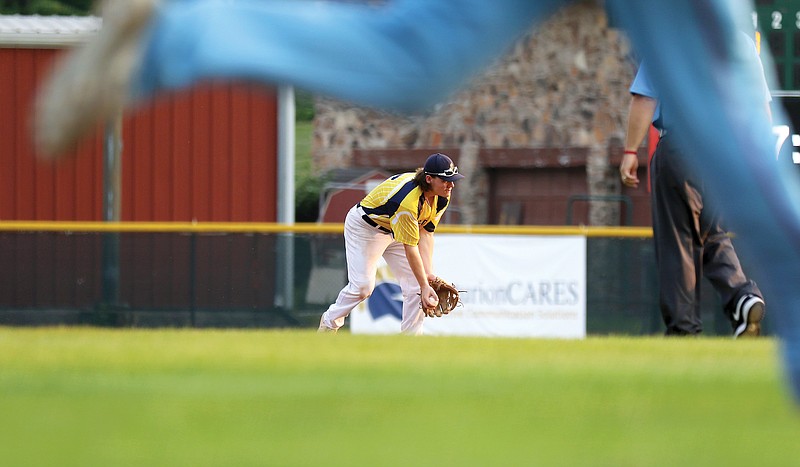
(426,252)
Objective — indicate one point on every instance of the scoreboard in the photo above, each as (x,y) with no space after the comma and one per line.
(784,130)
(777,26)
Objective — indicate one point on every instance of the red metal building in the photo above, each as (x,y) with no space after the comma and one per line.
(205,154)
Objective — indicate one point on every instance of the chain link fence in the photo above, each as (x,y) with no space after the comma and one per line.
(262,279)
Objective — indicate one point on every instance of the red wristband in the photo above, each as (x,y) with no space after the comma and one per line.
(635,153)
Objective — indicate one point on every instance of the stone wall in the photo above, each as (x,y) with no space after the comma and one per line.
(563,85)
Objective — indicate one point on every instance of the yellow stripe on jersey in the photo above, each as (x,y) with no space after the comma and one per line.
(398,204)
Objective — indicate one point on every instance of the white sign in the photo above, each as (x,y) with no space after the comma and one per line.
(515,286)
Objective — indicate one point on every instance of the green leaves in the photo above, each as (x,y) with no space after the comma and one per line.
(46,7)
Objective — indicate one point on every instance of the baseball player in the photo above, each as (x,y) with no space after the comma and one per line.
(396,220)
(689,241)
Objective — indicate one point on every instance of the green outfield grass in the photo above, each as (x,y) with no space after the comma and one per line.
(101,397)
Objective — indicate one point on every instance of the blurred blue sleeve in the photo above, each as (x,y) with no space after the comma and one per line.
(406,55)
(641,83)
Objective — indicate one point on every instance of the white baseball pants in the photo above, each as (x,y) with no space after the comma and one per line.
(364,245)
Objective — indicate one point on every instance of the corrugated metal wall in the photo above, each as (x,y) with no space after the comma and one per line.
(30,190)
(206,154)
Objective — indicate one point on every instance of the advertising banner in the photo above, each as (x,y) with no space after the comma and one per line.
(514,286)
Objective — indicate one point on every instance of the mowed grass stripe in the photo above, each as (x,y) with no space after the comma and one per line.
(85,396)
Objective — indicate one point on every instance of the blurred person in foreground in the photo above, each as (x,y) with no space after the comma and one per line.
(408,55)
(689,239)
(396,221)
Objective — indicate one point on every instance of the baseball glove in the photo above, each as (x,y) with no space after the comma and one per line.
(448,298)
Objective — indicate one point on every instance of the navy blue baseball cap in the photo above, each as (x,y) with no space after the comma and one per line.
(442,166)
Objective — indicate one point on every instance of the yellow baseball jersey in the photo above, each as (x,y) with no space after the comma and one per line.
(399,205)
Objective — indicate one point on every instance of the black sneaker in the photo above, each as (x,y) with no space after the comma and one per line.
(747,316)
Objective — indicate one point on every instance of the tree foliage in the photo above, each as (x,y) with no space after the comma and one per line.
(304,105)
(46,7)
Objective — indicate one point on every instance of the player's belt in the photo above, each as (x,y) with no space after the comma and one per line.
(371,222)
